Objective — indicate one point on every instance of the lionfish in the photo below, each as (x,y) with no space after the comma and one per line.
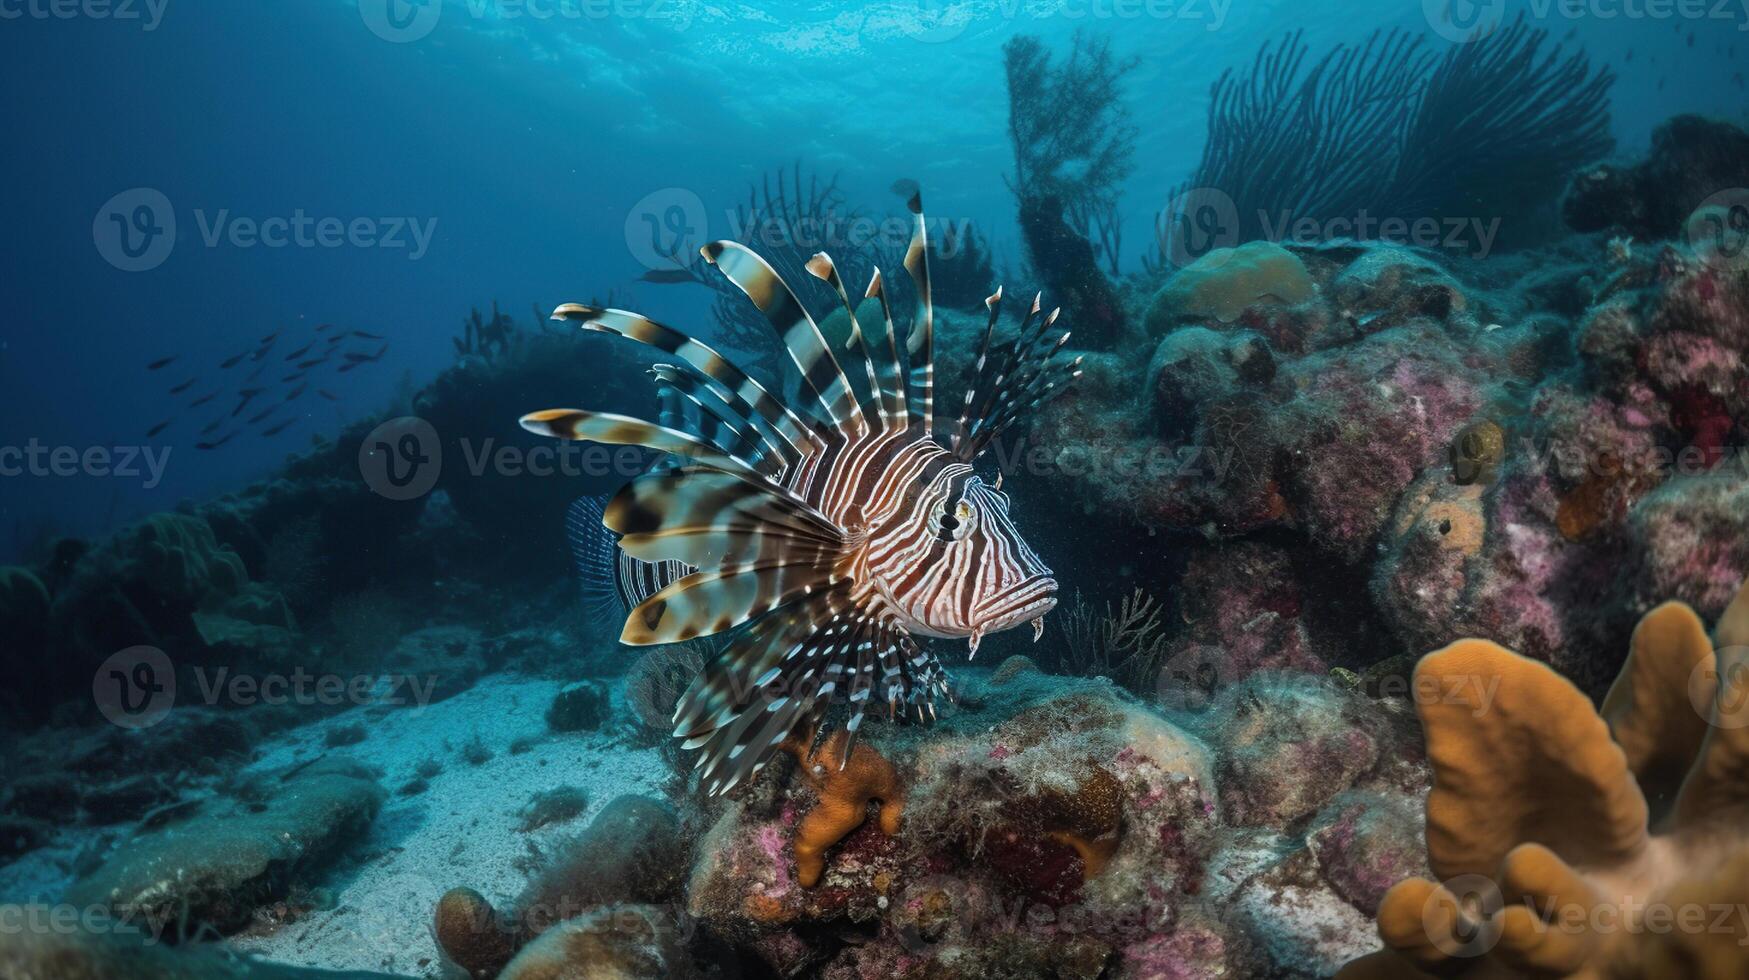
(828,534)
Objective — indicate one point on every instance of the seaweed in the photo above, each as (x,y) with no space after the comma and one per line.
(1073,145)
(1071,135)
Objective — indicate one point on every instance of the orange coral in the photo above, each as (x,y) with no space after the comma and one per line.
(845,787)
(1539,829)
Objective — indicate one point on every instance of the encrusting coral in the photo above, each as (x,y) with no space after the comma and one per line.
(845,786)
(1226,282)
(1542,817)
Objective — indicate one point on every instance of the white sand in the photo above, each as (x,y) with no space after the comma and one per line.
(461,831)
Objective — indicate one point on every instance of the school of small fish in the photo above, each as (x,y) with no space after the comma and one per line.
(238,380)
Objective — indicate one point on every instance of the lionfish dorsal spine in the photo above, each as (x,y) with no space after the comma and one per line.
(834,399)
(920,344)
(764,410)
(889,369)
(961,427)
(822,267)
(1022,381)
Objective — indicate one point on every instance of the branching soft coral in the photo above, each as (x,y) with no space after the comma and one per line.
(1540,827)
(845,787)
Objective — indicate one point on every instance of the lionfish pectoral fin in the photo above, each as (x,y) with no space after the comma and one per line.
(592,550)
(620,430)
(780,679)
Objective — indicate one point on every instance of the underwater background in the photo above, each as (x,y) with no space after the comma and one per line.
(1399,325)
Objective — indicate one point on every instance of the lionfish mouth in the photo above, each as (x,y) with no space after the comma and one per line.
(1031,601)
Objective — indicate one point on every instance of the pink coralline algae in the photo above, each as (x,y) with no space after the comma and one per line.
(1618,381)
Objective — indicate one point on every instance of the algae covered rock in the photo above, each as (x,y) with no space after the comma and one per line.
(618,942)
(631,853)
(55,954)
(1222,284)
(1287,745)
(217,868)
(581,706)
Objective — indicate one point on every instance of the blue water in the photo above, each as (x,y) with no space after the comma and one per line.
(525,138)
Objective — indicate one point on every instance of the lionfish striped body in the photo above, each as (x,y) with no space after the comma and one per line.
(837,530)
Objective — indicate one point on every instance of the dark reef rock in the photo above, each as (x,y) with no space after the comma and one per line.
(1692,158)
(581,706)
(1072,275)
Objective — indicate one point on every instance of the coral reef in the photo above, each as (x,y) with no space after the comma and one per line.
(1076,832)
(1573,842)
(1442,445)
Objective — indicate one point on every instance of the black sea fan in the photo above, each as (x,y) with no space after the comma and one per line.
(1386,129)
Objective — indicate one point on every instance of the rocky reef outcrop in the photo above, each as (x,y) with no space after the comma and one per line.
(1445,446)
(1046,826)
(1692,158)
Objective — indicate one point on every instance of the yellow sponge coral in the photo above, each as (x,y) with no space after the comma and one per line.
(1539,830)
(845,786)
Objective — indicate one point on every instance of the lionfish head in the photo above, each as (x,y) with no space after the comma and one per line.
(1005,582)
